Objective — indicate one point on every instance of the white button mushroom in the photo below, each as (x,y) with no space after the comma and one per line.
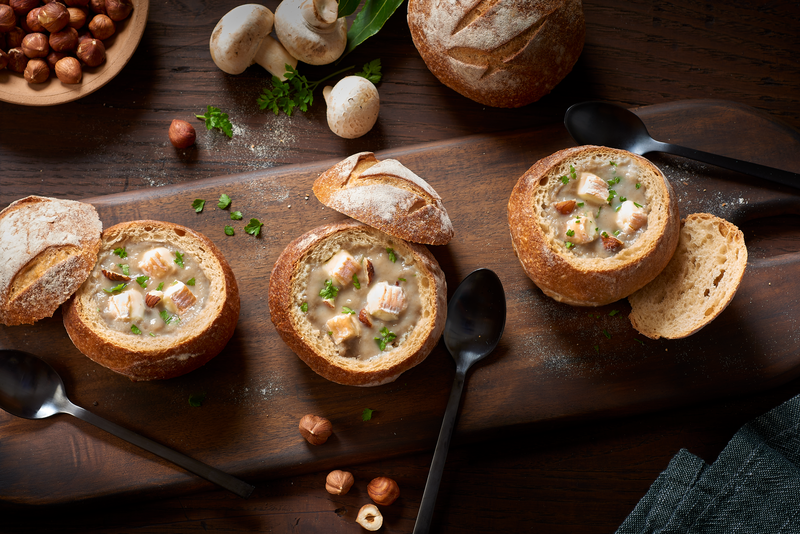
(353,106)
(241,38)
(311,30)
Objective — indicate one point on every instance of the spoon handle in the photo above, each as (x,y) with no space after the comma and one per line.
(761,171)
(205,471)
(425,514)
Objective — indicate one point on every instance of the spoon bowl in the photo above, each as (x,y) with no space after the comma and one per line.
(32,389)
(605,124)
(476,317)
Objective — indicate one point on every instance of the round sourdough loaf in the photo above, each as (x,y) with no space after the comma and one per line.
(506,53)
(48,247)
(288,290)
(589,281)
(190,346)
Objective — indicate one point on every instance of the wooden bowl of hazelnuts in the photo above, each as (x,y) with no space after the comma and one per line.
(52,52)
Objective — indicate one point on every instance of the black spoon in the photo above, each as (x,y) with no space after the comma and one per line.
(31,388)
(604,124)
(476,317)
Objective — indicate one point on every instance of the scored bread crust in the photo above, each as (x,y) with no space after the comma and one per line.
(156,358)
(288,287)
(698,283)
(589,281)
(48,247)
(505,54)
(387,196)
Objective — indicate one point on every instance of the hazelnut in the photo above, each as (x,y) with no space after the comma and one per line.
(37,71)
(32,20)
(14,38)
(101,27)
(370,517)
(35,45)
(68,70)
(3,59)
(92,52)
(53,58)
(339,482)
(84,36)
(66,39)
(54,16)
(181,134)
(8,19)
(315,429)
(98,6)
(77,17)
(118,10)
(383,490)
(17,60)
(21,7)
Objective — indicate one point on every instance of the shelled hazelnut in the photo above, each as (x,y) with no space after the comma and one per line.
(102,27)
(32,20)
(37,71)
(35,45)
(14,38)
(92,52)
(77,17)
(370,517)
(17,60)
(98,6)
(21,7)
(383,490)
(66,39)
(339,482)
(118,9)
(53,58)
(54,16)
(68,70)
(8,19)
(3,59)
(181,134)
(316,430)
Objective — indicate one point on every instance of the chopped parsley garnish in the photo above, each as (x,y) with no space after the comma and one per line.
(618,207)
(120,252)
(190,281)
(570,232)
(224,202)
(392,256)
(160,286)
(229,230)
(152,334)
(623,199)
(637,205)
(126,270)
(371,71)
(639,341)
(215,118)
(166,316)
(402,279)
(304,307)
(197,399)
(366,415)
(564,179)
(580,204)
(329,291)
(116,289)
(356,283)
(612,313)
(253,227)
(142,280)
(617,232)
(611,195)
(569,244)
(604,233)
(385,338)
(638,185)
(198,205)
(597,349)
(347,311)
(135,329)
(614,180)
(605,333)
(572,173)
(612,163)
(179,258)
(236,216)
(598,212)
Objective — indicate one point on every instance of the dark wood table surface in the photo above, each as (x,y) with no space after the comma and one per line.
(571,476)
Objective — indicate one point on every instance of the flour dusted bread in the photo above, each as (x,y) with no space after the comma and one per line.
(160,302)
(507,53)
(387,196)
(577,234)
(48,247)
(698,283)
(358,306)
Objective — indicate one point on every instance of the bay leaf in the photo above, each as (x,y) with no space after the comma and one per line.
(369,21)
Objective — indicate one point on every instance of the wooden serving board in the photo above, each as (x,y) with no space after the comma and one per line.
(554,363)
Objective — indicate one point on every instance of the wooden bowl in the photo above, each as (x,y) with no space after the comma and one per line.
(119,49)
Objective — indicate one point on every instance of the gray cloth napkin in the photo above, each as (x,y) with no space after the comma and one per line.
(753,487)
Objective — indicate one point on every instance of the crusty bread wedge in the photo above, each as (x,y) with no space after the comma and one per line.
(293,301)
(387,196)
(131,351)
(48,247)
(698,283)
(545,255)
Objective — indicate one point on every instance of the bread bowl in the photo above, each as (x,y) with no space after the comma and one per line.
(572,249)
(507,53)
(161,301)
(698,283)
(48,247)
(348,350)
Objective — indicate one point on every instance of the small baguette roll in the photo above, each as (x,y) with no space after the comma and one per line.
(289,289)
(142,357)
(48,246)
(589,281)
(698,283)
(387,196)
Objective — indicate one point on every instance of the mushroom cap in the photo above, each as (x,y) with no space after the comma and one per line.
(353,106)
(237,37)
(305,29)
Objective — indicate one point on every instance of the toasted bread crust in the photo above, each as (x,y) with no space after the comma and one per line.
(587,281)
(387,196)
(156,358)
(48,247)
(285,298)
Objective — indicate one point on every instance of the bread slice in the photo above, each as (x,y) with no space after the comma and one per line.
(589,281)
(387,196)
(698,283)
(192,343)
(289,290)
(506,53)
(48,247)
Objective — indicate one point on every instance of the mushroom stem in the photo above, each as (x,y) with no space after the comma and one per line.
(274,57)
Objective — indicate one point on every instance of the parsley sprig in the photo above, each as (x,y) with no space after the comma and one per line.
(215,118)
(385,338)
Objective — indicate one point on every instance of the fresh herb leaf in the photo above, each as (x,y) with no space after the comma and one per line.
(166,316)
(612,313)
(197,399)
(597,349)
(198,205)
(570,232)
(638,185)
(569,244)
(126,270)
(253,227)
(142,280)
(236,216)
(121,252)
(160,286)
(637,205)
(229,230)
(402,279)
(371,71)
(348,7)
(623,199)
(572,173)
(366,415)
(224,202)
(617,232)
(152,334)
(356,283)
(304,307)
(347,311)
(295,92)
(215,118)
(179,258)
(369,21)
(385,338)
(135,329)
(612,163)
(565,179)
(116,289)
(329,291)
(580,204)
(605,333)
(392,256)
(190,281)
(639,341)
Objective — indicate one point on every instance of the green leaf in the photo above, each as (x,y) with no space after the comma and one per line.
(179,258)
(167,318)
(369,21)
(116,289)
(224,202)
(348,7)
(366,415)
(295,92)
(197,399)
(190,282)
(356,283)
(120,252)
(329,291)
(347,311)
(126,270)
(385,338)
(229,230)
(160,286)
(392,256)
(236,216)
(142,280)
(198,205)
(304,307)
(135,329)
(215,118)
(254,227)
(371,71)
